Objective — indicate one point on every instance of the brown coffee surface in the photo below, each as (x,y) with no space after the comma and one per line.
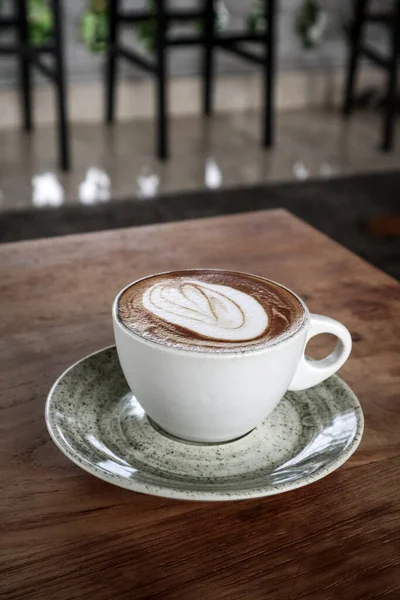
(285,312)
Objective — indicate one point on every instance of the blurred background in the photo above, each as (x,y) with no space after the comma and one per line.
(130,112)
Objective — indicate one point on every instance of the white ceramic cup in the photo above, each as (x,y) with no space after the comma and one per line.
(216,397)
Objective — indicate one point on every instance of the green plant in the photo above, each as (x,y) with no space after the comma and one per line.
(147,30)
(40,21)
(94,26)
(221,19)
(256,22)
(310,23)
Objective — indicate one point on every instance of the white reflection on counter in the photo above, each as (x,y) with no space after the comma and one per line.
(300,171)
(148,185)
(212,175)
(47,191)
(95,188)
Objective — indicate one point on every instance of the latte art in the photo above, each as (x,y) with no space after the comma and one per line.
(213,311)
(210,311)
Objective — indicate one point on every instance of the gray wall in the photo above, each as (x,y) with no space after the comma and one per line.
(83,66)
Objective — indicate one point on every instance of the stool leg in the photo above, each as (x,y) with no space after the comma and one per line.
(111,64)
(354,54)
(162,124)
(391,99)
(25,66)
(61,91)
(208,62)
(269,74)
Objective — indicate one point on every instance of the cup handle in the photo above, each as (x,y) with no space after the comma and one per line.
(310,371)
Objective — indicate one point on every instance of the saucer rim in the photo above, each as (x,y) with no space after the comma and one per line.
(198,495)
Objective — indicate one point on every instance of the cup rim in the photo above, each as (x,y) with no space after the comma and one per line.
(273,344)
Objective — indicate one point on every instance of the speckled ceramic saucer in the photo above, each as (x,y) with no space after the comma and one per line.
(98,424)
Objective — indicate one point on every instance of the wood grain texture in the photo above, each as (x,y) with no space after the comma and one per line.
(66,535)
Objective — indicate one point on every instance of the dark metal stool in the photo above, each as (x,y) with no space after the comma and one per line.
(232,44)
(209,39)
(358,49)
(29,55)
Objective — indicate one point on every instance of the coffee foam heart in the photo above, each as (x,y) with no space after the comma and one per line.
(212,311)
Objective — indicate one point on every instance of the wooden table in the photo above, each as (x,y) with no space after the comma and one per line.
(66,535)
